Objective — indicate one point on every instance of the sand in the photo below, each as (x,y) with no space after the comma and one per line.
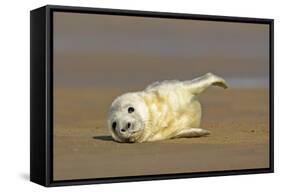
(237,118)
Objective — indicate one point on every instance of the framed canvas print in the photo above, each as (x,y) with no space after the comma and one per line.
(122,95)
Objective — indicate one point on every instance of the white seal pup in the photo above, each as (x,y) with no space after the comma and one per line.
(164,110)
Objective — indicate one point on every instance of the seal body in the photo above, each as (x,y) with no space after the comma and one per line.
(164,110)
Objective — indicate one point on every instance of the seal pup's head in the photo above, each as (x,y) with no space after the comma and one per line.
(127,117)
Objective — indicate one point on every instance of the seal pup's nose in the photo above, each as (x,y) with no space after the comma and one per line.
(124,129)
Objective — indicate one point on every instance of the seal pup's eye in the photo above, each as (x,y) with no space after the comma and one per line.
(114,125)
(131,109)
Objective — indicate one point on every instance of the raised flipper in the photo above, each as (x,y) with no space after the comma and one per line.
(198,85)
(191,132)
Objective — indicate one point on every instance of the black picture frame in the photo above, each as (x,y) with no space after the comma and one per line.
(41,94)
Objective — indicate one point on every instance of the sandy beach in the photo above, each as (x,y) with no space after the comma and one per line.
(237,118)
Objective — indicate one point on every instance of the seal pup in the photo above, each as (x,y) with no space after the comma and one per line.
(163,110)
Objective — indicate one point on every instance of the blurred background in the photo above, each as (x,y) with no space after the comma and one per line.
(121,51)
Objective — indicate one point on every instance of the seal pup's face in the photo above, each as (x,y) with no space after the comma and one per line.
(127,117)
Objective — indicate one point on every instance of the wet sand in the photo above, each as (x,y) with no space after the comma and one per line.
(237,118)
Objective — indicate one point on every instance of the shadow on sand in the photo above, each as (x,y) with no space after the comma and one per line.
(103,138)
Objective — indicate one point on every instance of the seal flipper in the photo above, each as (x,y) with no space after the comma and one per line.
(191,132)
(198,85)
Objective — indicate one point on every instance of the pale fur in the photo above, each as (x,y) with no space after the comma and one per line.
(164,110)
